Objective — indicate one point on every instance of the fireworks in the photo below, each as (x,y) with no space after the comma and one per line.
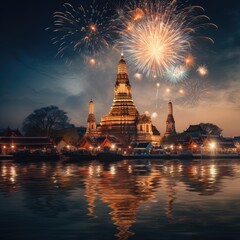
(154,115)
(85,29)
(202,70)
(92,61)
(138,76)
(168,90)
(193,91)
(189,60)
(158,35)
(175,74)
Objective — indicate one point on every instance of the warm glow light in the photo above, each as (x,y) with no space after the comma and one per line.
(68,146)
(113,147)
(202,70)
(181,91)
(138,76)
(92,61)
(189,61)
(93,27)
(12,146)
(4,147)
(212,145)
(158,85)
(154,115)
(168,90)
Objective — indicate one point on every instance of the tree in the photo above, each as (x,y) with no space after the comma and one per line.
(44,121)
(211,129)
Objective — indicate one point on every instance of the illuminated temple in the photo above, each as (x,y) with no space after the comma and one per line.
(123,120)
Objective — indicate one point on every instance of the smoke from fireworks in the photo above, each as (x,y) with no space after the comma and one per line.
(87,30)
(158,35)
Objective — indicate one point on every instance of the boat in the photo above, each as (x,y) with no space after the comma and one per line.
(81,155)
(109,156)
(21,156)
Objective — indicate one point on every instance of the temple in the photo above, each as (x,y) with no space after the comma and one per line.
(170,123)
(123,120)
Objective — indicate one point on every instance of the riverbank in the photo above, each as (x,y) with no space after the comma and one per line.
(148,156)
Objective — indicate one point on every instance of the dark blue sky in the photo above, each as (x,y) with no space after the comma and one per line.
(32,77)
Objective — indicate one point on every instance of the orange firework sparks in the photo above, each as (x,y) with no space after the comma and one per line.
(137,14)
(189,60)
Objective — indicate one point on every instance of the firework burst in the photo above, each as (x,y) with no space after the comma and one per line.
(87,30)
(176,74)
(202,70)
(193,91)
(158,35)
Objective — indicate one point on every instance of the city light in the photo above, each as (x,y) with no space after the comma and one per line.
(113,147)
(212,145)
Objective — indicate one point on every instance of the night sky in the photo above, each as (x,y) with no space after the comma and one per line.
(33,77)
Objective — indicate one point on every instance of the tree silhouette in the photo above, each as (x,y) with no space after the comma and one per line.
(44,121)
(211,129)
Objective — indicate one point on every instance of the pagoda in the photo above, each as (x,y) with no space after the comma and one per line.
(123,119)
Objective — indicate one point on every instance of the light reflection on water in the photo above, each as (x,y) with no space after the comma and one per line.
(130,199)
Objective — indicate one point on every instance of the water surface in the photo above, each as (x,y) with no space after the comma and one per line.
(130,199)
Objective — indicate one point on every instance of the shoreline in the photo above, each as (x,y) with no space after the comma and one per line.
(150,156)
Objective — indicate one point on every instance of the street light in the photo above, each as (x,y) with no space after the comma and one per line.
(212,146)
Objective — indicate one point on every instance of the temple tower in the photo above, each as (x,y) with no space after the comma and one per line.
(122,117)
(91,122)
(170,123)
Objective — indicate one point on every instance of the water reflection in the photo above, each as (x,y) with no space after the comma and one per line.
(127,188)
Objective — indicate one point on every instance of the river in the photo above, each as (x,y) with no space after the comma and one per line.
(129,199)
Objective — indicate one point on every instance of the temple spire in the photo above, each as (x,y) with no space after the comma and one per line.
(170,109)
(122,66)
(91,122)
(170,123)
